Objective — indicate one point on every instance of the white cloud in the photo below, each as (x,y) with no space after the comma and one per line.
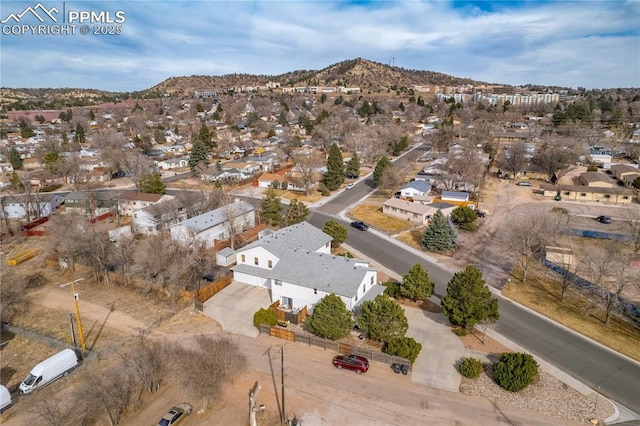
(589,44)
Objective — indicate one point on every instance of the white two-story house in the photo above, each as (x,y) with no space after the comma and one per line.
(219,224)
(296,265)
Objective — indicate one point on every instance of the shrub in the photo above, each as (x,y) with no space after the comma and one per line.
(331,319)
(515,371)
(459,331)
(470,367)
(405,347)
(265,316)
(392,289)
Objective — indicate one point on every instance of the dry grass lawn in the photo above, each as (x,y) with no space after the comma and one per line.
(412,238)
(543,296)
(372,215)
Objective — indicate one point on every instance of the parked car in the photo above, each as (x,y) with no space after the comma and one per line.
(400,368)
(350,185)
(524,183)
(359,364)
(352,176)
(480,213)
(358,224)
(604,219)
(176,415)
(5,398)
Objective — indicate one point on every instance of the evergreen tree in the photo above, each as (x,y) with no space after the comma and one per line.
(440,235)
(334,177)
(330,319)
(353,167)
(25,129)
(336,231)
(297,212)
(51,162)
(16,183)
(198,157)
(465,218)
(152,183)
(271,208)
(14,158)
(92,115)
(468,300)
(405,347)
(416,285)
(205,136)
(282,119)
(378,173)
(80,136)
(383,319)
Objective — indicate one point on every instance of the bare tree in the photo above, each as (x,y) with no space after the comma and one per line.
(391,179)
(514,158)
(111,390)
(556,158)
(525,240)
(203,371)
(144,360)
(67,238)
(52,407)
(633,227)
(307,168)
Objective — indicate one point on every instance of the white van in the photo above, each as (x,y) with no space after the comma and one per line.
(49,370)
(5,398)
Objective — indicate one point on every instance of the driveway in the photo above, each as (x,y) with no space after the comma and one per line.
(235,305)
(441,349)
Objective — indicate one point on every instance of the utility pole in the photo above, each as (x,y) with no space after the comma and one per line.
(253,396)
(76,297)
(73,332)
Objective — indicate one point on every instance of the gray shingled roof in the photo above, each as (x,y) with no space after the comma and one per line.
(418,185)
(302,236)
(215,217)
(310,269)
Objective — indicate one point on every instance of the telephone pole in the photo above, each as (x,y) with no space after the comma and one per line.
(76,297)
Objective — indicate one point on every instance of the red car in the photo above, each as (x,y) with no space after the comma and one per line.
(359,364)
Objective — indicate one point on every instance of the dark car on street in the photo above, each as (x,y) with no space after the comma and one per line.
(359,364)
(358,224)
(604,219)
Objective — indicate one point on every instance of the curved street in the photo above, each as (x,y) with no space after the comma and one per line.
(603,370)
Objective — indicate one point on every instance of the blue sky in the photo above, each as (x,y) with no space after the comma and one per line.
(592,44)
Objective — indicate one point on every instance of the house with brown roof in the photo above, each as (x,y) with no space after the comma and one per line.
(596,180)
(625,173)
(132,201)
(607,195)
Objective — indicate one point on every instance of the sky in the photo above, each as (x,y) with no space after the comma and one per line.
(591,44)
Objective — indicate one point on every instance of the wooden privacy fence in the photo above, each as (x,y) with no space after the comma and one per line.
(292,317)
(206,292)
(332,345)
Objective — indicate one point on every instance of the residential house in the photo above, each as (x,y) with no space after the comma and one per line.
(92,163)
(615,195)
(90,203)
(173,163)
(296,265)
(414,212)
(158,217)
(415,188)
(625,173)
(219,224)
(595,179)
(213,174)
(32,206)
(246,167)
(132,201)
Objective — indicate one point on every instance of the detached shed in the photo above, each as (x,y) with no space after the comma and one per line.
(226,257)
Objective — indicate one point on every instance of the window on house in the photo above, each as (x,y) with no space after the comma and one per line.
(566,193)
(315,291)
(607,196)
(256,261)
(243,258)
(270,264)
(625,197)
(278,282)
(583,194)
(371,280)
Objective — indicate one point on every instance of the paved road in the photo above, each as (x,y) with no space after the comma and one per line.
(615,376)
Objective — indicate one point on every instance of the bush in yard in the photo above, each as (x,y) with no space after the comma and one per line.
(405,347)
(465,218)
(515,371)
(265,316)
(470,367)
(331,319)
(383,319)
(392,289)
(416,285)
